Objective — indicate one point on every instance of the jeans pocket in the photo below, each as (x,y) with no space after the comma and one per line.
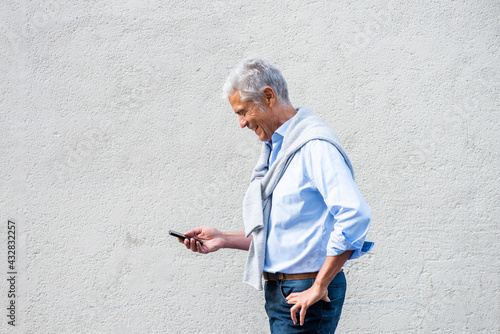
(336,292)
(337,288)
(288,287)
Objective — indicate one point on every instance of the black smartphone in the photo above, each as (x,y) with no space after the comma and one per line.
(182,236)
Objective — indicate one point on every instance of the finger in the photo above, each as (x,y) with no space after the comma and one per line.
(303,311)
(192,244)
(293,311)
(200,248)
(292,295)
(186,243)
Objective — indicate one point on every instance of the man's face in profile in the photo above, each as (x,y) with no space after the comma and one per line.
(252,116)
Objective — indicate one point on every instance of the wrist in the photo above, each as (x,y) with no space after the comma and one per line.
(225,239)
(230,239)
(320,285)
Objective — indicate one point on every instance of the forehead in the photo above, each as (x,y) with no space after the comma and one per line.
(236,103)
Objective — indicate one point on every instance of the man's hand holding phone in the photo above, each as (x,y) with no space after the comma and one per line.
(203,239)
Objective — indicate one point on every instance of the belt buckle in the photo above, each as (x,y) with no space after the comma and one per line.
(279,276)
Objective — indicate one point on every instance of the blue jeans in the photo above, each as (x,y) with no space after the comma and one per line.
(321,317)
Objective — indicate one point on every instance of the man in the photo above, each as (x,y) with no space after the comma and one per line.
(303,214)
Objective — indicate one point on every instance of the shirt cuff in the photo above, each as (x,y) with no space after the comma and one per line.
(357,251)
(367,246)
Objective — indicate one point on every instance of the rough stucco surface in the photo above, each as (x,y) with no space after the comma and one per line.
(113,132)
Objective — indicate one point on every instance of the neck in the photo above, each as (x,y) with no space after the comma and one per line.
(283,114)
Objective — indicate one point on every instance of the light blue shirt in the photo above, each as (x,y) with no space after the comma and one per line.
(317,209)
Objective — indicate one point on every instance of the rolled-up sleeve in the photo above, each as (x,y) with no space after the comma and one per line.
(332,177)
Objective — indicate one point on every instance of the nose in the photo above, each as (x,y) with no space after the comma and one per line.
(243,121)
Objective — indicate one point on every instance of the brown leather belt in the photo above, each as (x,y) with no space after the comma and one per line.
(288,277)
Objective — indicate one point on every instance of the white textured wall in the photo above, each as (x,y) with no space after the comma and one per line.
(113,132)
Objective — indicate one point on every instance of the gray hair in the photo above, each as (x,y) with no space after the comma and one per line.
(251,76)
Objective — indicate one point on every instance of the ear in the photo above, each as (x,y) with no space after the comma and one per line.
(268,96)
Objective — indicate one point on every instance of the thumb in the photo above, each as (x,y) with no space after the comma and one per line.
(193,232)
(325,298)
